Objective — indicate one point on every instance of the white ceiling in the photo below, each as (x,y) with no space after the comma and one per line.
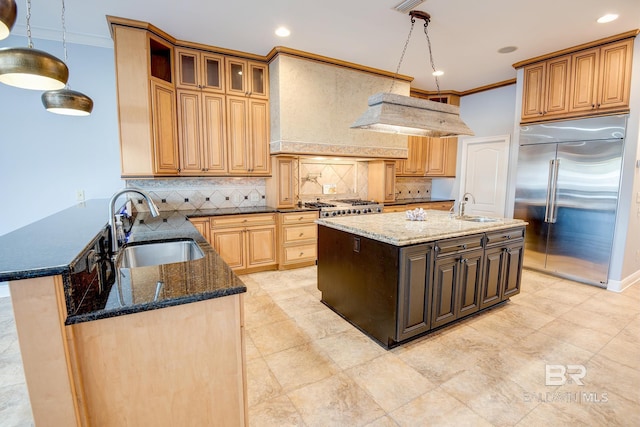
(465,34)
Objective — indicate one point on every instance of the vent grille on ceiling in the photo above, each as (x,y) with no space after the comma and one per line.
(407,5)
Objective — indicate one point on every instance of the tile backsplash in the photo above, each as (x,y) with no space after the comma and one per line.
(412,188)
(202,193)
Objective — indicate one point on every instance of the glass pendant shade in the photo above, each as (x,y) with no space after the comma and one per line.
(8,13)
(67,102)
(30,68)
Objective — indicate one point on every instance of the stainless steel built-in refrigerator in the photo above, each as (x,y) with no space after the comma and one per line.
(567,188)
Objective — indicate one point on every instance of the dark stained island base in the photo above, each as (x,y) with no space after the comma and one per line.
(397,280)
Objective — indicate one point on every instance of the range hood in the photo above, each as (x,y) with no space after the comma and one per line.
(314,103)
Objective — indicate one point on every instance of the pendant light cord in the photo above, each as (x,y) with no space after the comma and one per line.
(406,43)
(433,66)
(64,34)
(30,42)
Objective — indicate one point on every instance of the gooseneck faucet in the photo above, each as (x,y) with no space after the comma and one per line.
(463,202)
(153,209)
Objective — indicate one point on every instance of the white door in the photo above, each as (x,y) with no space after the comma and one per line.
(483,173)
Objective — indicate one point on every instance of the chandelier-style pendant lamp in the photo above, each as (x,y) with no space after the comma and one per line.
(8,13)
(399,114)
(29,68)
(66,101)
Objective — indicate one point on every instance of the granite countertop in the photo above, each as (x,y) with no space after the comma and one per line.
(57,245)
(421,200)
(395,229)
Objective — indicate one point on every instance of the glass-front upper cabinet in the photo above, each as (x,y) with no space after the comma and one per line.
(199,70)
(247,78)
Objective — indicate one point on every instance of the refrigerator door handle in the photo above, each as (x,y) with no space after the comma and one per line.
(550,181)
(554,192)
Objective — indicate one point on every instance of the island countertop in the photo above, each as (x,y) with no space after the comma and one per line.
(394,228)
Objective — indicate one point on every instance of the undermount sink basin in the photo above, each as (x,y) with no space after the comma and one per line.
(478,219)
(156,253)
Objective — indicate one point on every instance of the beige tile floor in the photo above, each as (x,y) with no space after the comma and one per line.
(308,367)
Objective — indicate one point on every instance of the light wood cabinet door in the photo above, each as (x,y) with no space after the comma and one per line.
(259,137)
(546,88)
(533,91)
(556,99)
(230,244)
(237,127)
(584,80)
(261,245)
(284,177)
(247,78)
(202,133)
(165,138)
(248,136)
(615,75)
(382,181)
(199,70)
(203,226)
(415,165)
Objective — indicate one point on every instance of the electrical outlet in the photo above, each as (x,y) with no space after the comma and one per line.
(638,197)
(80,195)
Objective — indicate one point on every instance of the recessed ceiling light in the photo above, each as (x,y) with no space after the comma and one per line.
(607,18)
(282,32)
(438,73)
(507,49)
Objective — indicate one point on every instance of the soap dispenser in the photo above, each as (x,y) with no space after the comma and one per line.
(120,235)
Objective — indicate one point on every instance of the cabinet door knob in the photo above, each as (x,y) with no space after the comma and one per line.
(301,234)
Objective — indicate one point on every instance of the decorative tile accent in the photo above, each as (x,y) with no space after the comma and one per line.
(413,188)
(349,177)
(202,193)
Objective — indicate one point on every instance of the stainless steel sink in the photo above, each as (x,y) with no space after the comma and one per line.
(156,253)
(478,219)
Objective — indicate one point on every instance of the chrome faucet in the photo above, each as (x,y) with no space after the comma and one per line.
(463,202)
(153,209)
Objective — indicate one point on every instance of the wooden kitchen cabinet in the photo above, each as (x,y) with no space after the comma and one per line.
(382,181)
(247,243)
(546,88)
(247,78)
(146,103)
(248,136)
(298,239)
(202,142)
(199,70)
(281,187)
(416,162)
(441,157)
(586,80)
(503,263)
(203,226)
(414,308)
(457,279)
(601,78)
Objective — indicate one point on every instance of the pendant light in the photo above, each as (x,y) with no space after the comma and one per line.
(8,13)
(29,68)
(399,114)
(66,101)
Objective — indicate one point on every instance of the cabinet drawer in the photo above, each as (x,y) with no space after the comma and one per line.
(242,220)
(300,253)
(449,246)
(300,232)
(298,217)
(501,236)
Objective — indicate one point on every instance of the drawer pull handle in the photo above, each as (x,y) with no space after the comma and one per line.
(301,218)
(301,234)
(244,220)
(464,246)
(301,254)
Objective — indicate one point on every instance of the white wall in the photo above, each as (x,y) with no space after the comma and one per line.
(487,113)
(46,157)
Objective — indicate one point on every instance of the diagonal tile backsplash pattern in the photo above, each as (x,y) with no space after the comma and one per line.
(202,193)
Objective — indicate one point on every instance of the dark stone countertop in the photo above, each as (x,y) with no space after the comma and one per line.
(414,201)
(57,245)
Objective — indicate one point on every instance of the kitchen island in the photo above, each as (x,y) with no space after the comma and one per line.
(396,279)
(102,345)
